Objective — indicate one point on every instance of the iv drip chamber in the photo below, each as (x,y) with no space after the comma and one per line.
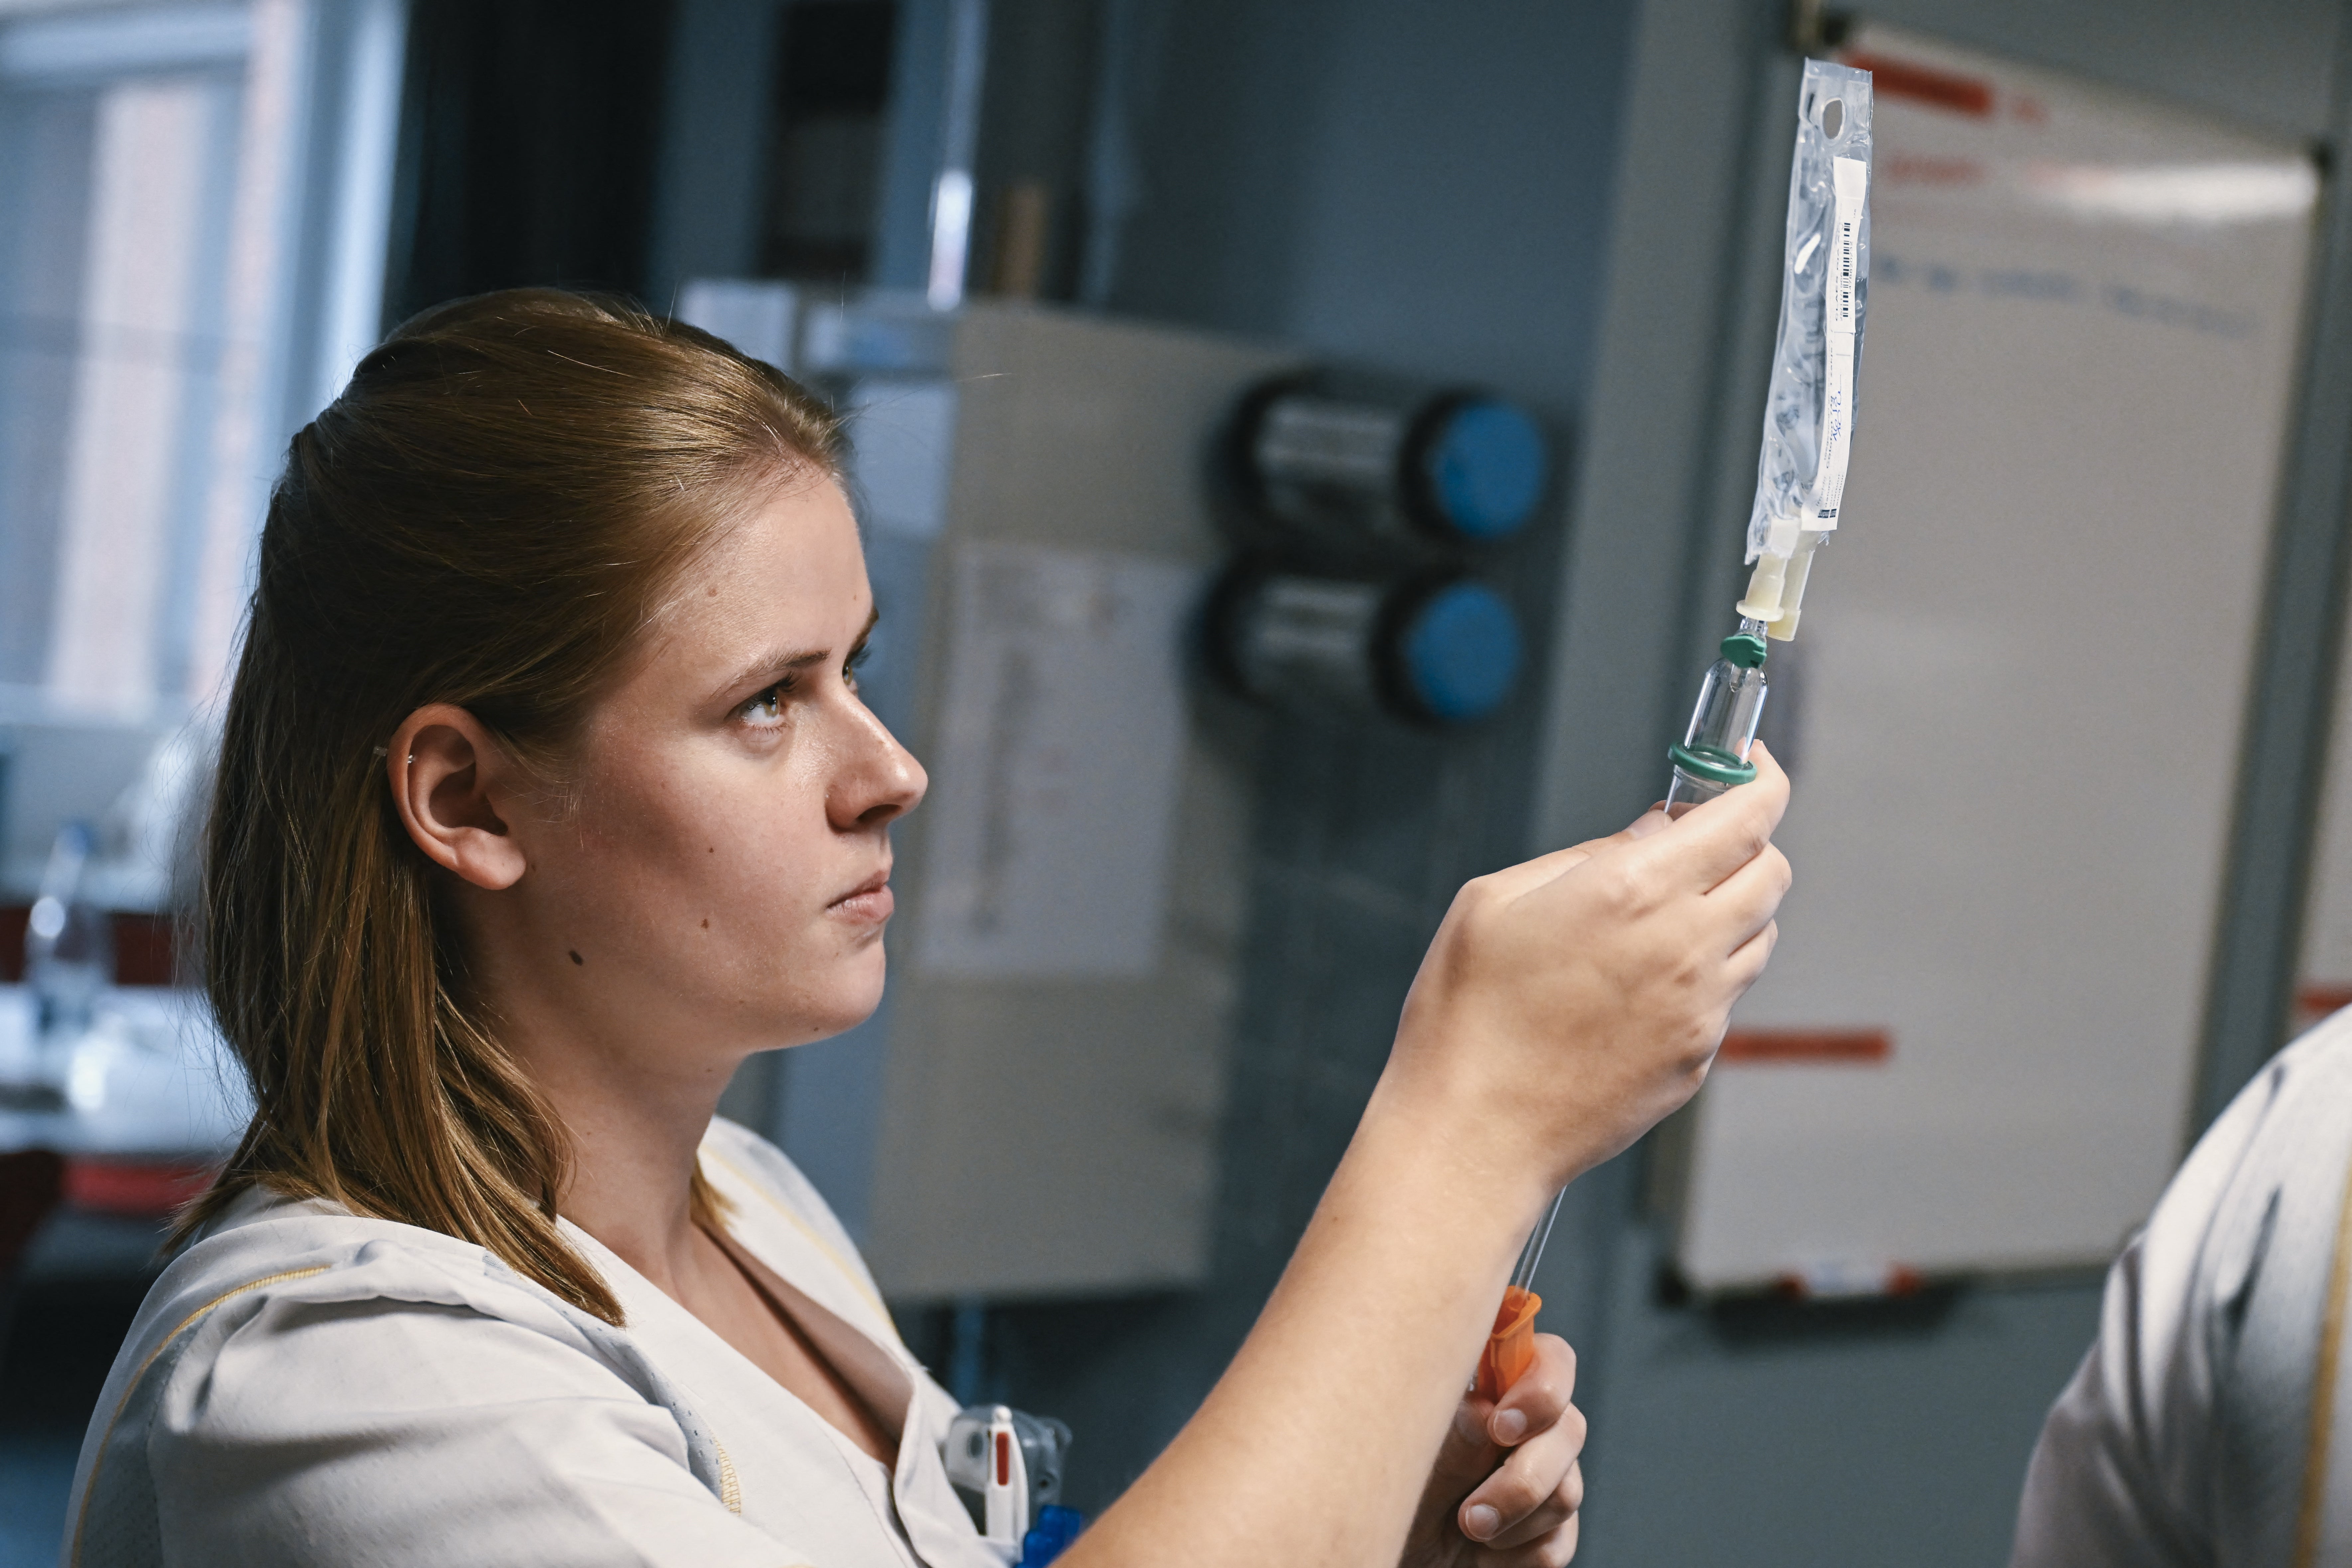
(1712,755)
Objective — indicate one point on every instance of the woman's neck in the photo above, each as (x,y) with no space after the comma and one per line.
(635,1123)
(630,1183)
(625,1074)
(636,1131)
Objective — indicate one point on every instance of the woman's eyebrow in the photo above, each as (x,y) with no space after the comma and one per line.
(769,668)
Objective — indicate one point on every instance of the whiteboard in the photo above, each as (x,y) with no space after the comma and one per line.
(2020,688)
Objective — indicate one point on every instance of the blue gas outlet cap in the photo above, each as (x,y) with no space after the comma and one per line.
(1461,652)
(1486,468)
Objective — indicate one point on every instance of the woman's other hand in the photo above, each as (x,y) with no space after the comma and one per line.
(1506,1485)
(1567,1003)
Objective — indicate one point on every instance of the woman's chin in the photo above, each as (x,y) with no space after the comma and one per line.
(796,1005)
(844,1007)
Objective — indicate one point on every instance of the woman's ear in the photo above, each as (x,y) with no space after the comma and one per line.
(447,773)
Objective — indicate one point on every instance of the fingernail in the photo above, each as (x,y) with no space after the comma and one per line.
(1481,1522)
(1507,1426)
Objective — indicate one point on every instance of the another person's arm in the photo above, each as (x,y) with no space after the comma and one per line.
(2182,1439)
(1565,1006)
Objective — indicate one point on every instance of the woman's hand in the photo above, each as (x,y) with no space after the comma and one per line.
(1569,1003)
(1506,1485)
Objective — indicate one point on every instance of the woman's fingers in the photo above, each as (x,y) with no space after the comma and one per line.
(1551,1549)
(1748,900)
(1748,960)
(1556,1506)
(1540,1397)
(1534,1488)
(1538,1484)
(1708,843)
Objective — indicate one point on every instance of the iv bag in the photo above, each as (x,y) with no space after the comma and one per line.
(1824,289)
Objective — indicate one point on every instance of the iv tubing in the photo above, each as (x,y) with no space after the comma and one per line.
(1524,1276)
(1511,1347)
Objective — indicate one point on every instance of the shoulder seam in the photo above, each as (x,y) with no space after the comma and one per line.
(97,1459)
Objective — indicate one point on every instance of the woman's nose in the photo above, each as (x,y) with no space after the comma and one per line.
(881,780)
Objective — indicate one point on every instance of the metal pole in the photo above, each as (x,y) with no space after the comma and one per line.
(2283,769)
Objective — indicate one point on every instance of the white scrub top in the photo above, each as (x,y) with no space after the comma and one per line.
(2211,1422)
(305,1386)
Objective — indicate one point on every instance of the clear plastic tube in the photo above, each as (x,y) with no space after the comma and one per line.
(1523,1277)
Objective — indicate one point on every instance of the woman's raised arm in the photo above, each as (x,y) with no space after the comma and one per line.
(1565,1006)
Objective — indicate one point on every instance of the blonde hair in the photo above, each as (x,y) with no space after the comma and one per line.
(488,515)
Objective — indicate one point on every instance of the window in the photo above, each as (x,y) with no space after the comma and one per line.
(192,262)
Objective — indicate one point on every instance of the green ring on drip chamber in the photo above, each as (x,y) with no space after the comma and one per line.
(1745,649)
(1716,767)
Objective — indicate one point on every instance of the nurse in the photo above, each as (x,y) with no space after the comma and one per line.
(545,798)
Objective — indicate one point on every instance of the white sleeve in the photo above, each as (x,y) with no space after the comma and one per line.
(2122,1472)
(379,1431)
(2094,1497)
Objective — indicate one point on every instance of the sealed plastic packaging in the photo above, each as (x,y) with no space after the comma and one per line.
(1825,296)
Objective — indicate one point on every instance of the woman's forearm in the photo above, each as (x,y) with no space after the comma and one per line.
(1315,1447)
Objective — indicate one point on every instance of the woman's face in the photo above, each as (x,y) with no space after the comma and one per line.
(722,884)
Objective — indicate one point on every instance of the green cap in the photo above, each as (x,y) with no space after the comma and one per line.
(1706,762)
(1745,649)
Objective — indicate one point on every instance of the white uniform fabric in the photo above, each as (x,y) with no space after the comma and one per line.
(304,1386)
(2211,1422)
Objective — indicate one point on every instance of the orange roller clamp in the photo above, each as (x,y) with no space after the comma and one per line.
(1511,1348)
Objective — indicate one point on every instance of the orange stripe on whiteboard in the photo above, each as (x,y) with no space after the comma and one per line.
(1807,1045)
(2318,998)
(1925,84)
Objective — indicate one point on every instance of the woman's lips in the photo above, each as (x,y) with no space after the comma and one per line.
(869,903)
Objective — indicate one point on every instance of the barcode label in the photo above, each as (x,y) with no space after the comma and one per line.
(1851,177)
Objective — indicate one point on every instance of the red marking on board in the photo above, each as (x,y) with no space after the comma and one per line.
(1925,84)
(1807,1045)
(1898,1280)
(2315,999)
(143,1189)
(1003,1459)
(1912,169)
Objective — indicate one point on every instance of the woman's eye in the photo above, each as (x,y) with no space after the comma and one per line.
(766,710)
(855,662)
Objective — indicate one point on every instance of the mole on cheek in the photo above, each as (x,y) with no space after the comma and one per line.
(706,925)
(575,956)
